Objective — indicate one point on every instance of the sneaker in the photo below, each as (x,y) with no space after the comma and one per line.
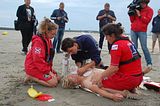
(147,69)
(149,66)
(23,52)
(59,52)
(25,49)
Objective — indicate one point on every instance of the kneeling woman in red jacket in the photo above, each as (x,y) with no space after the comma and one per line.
(125,70)
(38,63)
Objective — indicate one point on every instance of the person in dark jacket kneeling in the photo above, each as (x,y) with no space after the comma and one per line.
(82,48)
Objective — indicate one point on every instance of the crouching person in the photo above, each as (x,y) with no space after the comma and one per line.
(82,48)
(38,62)
(125,70)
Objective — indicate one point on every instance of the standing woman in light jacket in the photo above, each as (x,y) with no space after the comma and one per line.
(26,18)
(38,63)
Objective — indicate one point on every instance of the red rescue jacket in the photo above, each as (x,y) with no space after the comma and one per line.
(139,24)
(35,61)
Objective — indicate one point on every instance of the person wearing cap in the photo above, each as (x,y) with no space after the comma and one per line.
(139,24)
(82,48)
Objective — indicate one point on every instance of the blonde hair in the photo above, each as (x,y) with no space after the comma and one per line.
(46,25)
(68,83)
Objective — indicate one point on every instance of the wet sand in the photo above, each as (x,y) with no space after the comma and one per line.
(14,93)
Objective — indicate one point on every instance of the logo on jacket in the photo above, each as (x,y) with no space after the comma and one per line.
(37,50)
(114,47)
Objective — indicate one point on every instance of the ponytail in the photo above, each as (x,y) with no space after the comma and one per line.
(46,25)
(110,29)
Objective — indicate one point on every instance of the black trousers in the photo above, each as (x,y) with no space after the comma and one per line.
(101,39)
(27,33)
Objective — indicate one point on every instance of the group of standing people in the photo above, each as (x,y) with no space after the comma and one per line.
(139,23)
(28,22)
(123,73)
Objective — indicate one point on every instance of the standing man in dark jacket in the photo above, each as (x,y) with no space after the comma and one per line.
(26,18)
(105,16)
(82,48)
(60,18)
(156,30)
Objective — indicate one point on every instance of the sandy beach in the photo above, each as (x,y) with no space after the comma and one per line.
(14,93)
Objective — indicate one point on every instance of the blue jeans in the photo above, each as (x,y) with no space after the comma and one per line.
(57,39)
(143,41)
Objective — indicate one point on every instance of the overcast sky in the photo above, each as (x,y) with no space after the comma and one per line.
(82,13)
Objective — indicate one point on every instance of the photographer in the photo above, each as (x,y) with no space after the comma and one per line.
(139,23)
(60,18)
(105,16)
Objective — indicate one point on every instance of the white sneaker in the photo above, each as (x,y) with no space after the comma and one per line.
(149,66)
(23,53)
(147,69)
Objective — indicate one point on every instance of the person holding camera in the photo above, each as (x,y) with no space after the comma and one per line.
(139,22)
(60,18)
(105,16)
(156,31)
(26,18)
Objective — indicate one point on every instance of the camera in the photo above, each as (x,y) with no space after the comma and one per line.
(63,17)
(133,6)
